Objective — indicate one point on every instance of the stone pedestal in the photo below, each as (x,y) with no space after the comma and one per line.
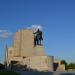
(39,50)
(39,63)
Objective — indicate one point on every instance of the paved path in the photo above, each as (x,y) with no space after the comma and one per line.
(47,73)
(65,73)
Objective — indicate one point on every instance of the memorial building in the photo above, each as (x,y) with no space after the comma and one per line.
(27,50)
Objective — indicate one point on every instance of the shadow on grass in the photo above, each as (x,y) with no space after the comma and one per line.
(8,73)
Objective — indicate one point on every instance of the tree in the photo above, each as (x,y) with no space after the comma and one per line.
(71,66)
(2,66)
(65,63)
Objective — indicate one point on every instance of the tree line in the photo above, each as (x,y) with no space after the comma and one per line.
(68,65)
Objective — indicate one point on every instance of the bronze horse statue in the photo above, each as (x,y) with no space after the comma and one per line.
(38,37)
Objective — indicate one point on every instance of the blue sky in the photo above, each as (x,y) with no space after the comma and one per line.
(57,17)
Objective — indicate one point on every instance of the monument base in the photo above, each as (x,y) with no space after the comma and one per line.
(39,63)
(39,50)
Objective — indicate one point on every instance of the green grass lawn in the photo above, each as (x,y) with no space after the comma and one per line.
(8,73)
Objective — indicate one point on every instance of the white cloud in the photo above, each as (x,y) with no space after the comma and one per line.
(5,34)
(1,31)
(35,27)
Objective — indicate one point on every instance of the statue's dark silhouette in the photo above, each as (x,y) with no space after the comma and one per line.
(38,38)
